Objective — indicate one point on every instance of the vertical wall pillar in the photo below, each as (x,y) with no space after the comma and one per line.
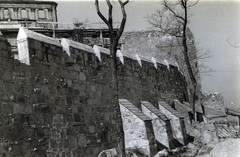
(46,14)
(36,14)
(32,13)
(15,13)
(29,14)
(1,13)
(19,13)
(11,14)
(54,14)
(50,14)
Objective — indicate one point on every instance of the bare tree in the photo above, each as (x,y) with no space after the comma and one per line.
(81,24)
(172,20)
(114,40)
(79,27)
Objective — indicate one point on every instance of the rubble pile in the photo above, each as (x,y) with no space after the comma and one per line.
(213,105)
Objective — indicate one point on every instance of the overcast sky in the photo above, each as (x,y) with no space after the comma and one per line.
(212,24)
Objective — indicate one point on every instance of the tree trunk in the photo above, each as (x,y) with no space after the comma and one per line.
(115,103)
(193,83)
(114,39)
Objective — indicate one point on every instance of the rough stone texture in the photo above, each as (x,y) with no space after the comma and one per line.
(213,104)
(204,133)
(198,109)
(153,43)
(161,125)
(138,132)
(177,122)
(61,107)
(226,127)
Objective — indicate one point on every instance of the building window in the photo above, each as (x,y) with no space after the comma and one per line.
(24,14)
(6,14)
(41,14)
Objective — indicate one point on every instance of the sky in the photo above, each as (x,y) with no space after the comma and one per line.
(212,23)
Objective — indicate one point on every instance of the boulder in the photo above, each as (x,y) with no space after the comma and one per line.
(204,133)
(213,105)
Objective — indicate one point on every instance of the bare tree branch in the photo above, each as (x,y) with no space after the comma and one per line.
(166,5)
(110,7)
(120,30)
(175,24)
(195,3)
(101,15)
(235,45)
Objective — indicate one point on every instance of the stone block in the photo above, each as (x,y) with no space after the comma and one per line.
(82,141)
(71,131)
(73,92)
(17,150)
(72,142)
(47,132)
(17,108)
(8,87)
(36,119)
(84,129)
(78,118)
(41,108)
(8,133)
(68,118)
(52,143)
(91,129)
(82,76)
(7,108)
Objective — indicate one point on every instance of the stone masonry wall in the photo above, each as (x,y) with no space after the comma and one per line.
(58,108)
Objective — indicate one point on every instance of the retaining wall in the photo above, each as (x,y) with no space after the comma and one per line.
(60,105)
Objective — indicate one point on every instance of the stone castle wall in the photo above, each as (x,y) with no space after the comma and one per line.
(60,105)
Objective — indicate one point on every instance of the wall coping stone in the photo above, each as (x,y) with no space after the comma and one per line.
(137,112)
(170,109)
(185,107)
(24,33)
(66,43)
(198,107)
(154,110)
